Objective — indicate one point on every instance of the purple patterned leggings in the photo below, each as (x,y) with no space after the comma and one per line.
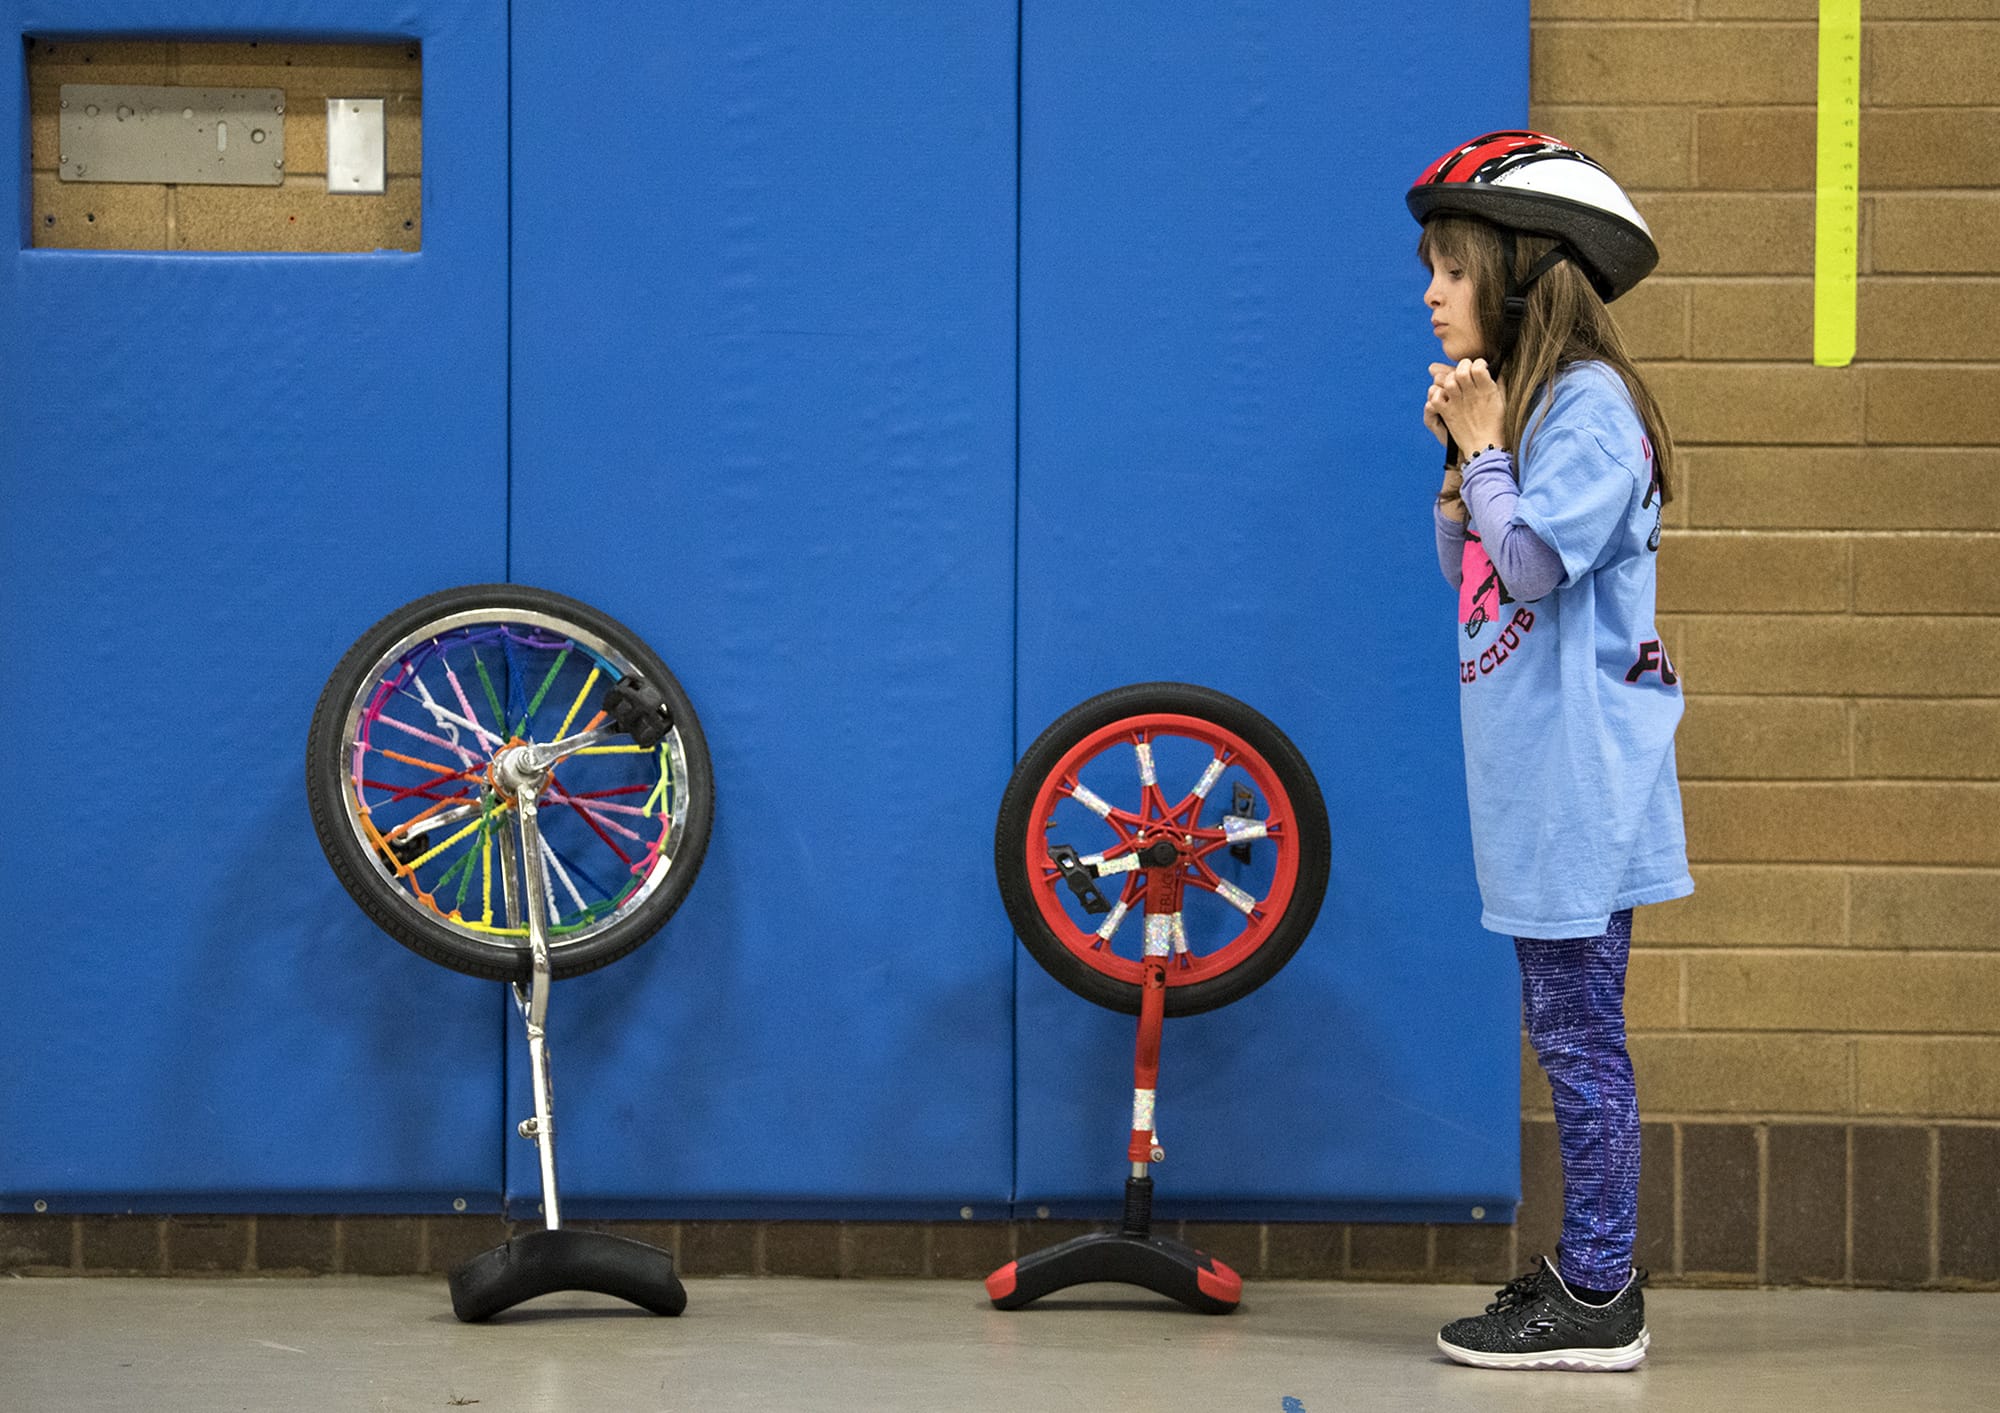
(1573,996)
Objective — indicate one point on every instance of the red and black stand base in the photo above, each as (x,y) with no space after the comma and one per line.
(1129,1257)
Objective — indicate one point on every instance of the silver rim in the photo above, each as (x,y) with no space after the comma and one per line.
(355,743)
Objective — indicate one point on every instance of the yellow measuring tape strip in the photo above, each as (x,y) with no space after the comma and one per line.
(1837,204)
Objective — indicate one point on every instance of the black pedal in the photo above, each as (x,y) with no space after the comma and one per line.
(1241,803)
(409,848)
(636,708)
(1081,878)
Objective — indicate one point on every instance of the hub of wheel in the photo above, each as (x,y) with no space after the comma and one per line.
(514,772)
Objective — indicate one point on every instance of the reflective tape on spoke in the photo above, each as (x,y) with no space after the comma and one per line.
(1143,1102)
(1235,896)
(486,878)
(1177,933)
(1091,801)
(1144,750)
(1208,778)
(1160,929)
(1110,923)
(1124,863)
(1238,830)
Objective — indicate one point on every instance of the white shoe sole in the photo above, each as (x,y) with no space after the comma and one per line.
(1604,1361)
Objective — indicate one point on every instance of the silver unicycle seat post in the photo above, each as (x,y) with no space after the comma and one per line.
(534,1003)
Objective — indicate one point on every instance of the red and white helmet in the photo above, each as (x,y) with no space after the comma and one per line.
(1528,181)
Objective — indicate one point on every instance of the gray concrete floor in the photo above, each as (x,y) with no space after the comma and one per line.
(358,1343)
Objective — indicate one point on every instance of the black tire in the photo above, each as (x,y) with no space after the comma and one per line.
(361,849)
(1047,921)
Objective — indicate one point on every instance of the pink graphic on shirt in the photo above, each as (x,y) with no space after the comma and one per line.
(1480,592)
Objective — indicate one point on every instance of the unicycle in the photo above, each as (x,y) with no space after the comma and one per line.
(1162,850)
(513,785)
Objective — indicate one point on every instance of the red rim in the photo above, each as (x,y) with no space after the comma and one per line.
(1046,883)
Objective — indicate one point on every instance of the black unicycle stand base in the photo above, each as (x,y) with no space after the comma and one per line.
(543,1262)
(1129,1256)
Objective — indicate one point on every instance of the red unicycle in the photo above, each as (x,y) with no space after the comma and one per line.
(1162,850)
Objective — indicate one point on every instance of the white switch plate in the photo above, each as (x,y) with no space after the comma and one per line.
(356,159)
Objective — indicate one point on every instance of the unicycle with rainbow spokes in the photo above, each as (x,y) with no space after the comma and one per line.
(513,785)
(1162,849)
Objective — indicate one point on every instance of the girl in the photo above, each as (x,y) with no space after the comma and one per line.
(1548,523)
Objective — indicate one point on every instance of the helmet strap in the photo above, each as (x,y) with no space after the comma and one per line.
(1514,305)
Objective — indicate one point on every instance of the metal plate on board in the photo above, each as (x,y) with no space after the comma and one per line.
(356,154)
(132,132)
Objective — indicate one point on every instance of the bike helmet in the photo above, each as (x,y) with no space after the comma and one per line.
(1530,182)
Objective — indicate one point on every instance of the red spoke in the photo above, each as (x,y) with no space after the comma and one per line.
(1105,756)
(564,797)
(423,787)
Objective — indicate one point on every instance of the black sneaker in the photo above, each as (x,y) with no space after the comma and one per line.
(1537,1324)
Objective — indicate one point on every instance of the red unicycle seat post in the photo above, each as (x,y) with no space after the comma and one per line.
(1144,1147)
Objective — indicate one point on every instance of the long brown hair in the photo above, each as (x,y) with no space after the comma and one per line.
(1566,323)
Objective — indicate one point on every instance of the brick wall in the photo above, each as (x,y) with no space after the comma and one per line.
(300,214)
(1817,1031)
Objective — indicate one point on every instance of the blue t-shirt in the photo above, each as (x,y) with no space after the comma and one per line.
(1569,704)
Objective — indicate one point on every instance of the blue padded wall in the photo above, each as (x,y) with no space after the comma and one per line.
(763,411)
(216,471)
(767,330)
(1225,476)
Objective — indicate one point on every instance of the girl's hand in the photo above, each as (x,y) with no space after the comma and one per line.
(1433,413)
(1470,402)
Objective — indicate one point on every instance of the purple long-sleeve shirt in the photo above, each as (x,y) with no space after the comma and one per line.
(1529,568)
